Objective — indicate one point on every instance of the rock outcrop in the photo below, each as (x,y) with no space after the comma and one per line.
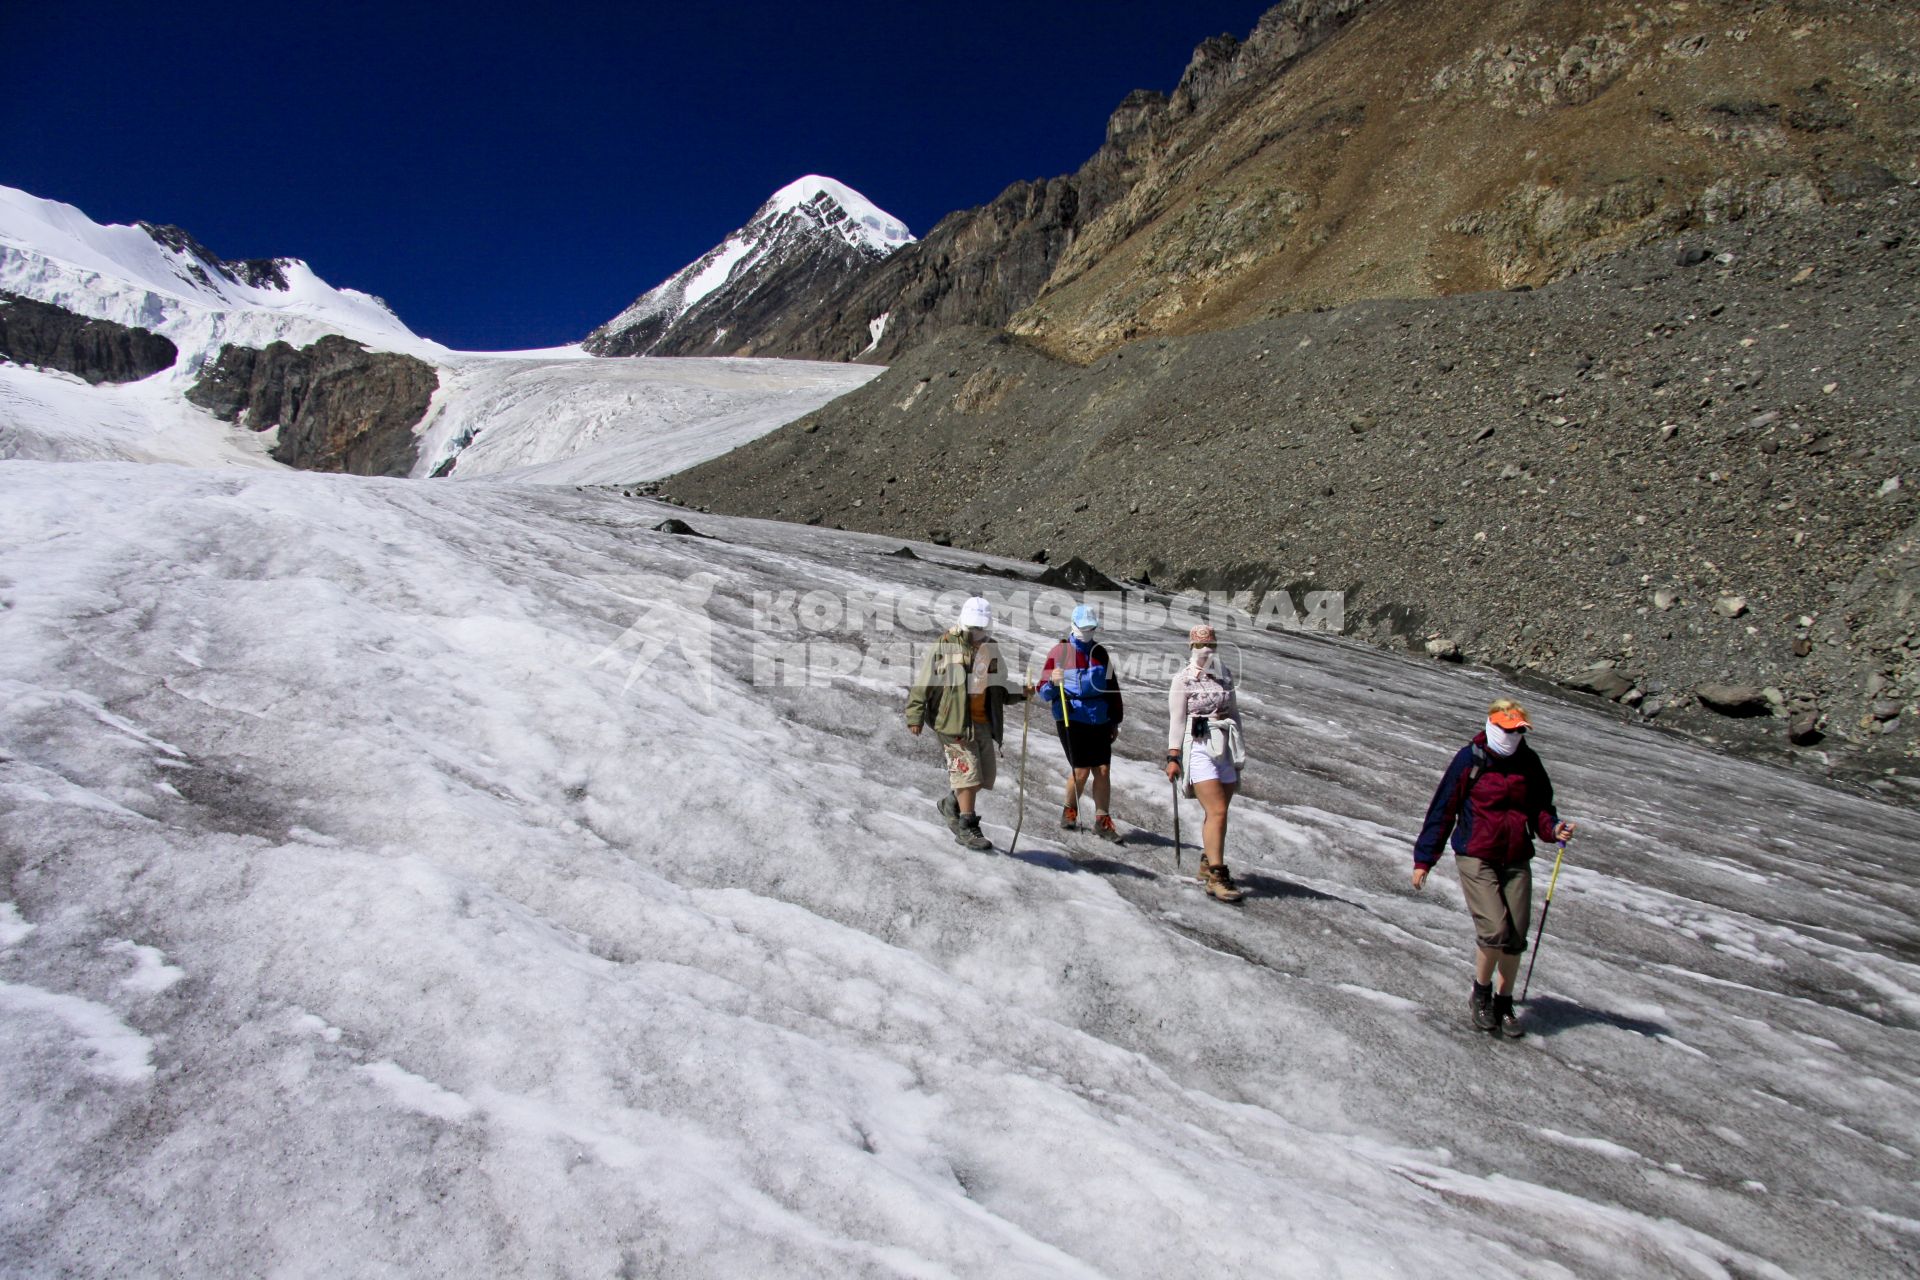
(39,333)
(203,263)
(337,405)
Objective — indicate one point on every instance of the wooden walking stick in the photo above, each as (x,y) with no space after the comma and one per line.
(1020,804)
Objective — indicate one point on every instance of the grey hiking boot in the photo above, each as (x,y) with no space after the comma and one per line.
(1504,1019)
(1104,828)
(968,833)
(1480,1006)
(950,810)
(1069,819)
(1218,882)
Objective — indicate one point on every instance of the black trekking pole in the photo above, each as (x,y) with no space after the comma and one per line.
(1542,930)
(1174,784)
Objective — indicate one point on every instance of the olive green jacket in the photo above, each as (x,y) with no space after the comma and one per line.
(939,693)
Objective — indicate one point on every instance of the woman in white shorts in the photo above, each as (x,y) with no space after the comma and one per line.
(1203,736)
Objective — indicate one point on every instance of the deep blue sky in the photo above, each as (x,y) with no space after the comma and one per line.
(511,176)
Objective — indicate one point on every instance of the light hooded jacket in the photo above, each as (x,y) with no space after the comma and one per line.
(1192,694)
(1081,671)
(960,684)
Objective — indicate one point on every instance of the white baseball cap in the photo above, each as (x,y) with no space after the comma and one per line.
(977,612)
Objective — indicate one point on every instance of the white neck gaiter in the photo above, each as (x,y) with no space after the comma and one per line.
(1502,742)
(1201,660)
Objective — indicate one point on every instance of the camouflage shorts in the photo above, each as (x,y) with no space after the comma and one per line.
(970,760)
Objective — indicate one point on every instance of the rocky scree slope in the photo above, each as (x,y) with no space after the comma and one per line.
(1694,462)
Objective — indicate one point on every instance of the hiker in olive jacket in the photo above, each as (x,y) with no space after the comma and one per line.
(962,690)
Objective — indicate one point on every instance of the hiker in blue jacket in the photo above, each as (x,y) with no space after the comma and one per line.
(1080,688)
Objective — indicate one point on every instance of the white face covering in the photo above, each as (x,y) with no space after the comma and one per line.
(1202,657)
(1085,634)
(1502,742)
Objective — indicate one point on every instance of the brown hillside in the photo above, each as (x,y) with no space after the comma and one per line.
(1433,147)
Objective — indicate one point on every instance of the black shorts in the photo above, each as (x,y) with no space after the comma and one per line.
(1088,746)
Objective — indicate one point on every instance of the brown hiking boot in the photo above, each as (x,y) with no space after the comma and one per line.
(1505,1021)
(1104,828)
(1069,819)
(969,835)
(1480,1007)
(1218,882)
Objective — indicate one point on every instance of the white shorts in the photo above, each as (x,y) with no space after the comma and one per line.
(1202,767)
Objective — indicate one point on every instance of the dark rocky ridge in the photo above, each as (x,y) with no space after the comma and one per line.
(1585,473)
(339,406)
(258,273)
(39,333)
(805,258)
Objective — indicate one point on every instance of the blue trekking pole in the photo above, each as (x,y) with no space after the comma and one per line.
(1542,930)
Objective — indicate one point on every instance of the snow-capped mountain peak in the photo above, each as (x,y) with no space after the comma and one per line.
(808,235)
(162,278)
(841,209)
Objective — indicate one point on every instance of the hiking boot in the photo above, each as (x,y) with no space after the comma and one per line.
(950,810)
(1069,819)
(1504,1019)
(1218,882)
(1104,828)
(968,833)
(1480,1006)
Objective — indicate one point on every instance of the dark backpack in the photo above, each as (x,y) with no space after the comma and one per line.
(1471,776)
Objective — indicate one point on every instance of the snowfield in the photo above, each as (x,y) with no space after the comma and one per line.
(56,417)
(567,418)
(360,916)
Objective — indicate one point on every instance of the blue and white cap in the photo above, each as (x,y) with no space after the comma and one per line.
(1086,617)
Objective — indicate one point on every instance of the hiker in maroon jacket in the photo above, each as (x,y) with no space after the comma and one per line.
(1494,798)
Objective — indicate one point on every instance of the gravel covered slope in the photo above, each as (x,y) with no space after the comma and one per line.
(1601,471)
